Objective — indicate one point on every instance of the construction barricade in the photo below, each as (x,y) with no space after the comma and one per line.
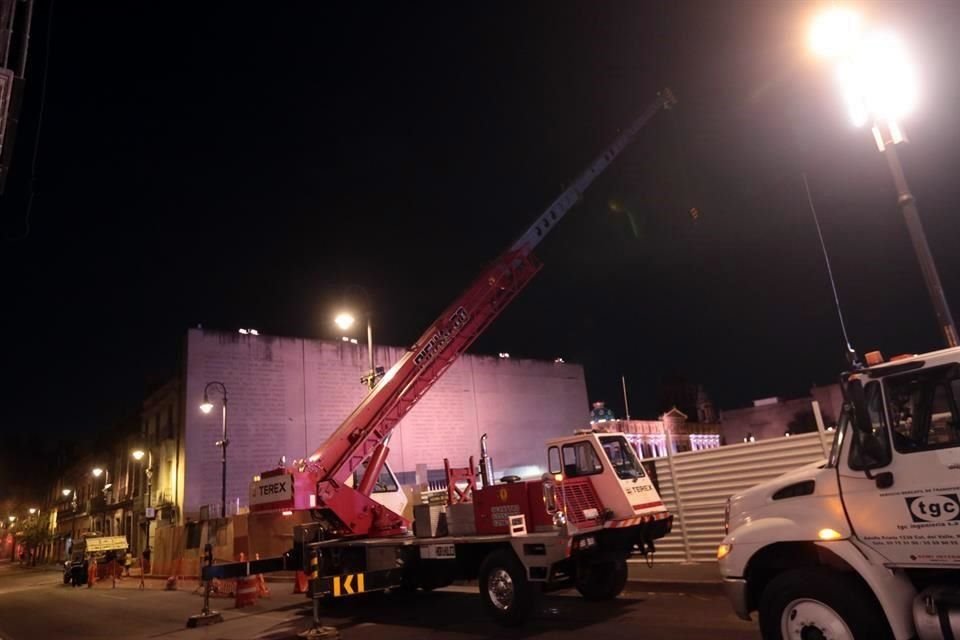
(247,591)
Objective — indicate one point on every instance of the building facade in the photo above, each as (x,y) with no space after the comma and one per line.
(775,417)
(287,395)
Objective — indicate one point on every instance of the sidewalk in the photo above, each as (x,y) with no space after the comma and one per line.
(680,576)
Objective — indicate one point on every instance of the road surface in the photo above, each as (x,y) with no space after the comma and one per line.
(34,604)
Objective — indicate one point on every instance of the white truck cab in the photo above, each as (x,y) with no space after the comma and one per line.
(615,473)
(865,544)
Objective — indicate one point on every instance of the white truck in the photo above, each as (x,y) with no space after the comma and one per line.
(866,544)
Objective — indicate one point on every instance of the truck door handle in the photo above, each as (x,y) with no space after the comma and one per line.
(883,480)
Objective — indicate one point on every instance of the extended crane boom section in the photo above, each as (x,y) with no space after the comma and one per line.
(347,511)
(406,382)
(559,207)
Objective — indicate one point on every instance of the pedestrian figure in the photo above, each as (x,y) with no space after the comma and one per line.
(76,572)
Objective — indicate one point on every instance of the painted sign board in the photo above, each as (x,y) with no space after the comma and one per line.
(274,492)
(107,543)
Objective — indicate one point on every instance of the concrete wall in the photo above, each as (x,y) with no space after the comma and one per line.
(286,395)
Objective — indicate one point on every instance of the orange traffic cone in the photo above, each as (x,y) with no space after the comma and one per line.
(300,584)
(262,589)
(246,592)
(172,580)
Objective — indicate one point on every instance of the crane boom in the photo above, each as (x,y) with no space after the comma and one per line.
(363,434)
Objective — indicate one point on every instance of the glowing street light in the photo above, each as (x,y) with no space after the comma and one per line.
(138,455)
(879,87)
(873,70)
(12,518)
(833,32)
(344,320)
(32,510)
(66,492)
(878,82)
(97,472)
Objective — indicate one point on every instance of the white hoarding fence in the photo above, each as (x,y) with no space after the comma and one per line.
(695,486)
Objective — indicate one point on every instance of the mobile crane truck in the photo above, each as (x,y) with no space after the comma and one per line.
(576,526)
(867,544)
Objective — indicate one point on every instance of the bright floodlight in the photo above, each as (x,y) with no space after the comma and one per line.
(66,492)
(834,32)
(344,320)
(877,80)
(97,472)
(138,454)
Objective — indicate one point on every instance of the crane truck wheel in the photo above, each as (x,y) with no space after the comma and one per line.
(602,580)
(507,595)
(819,603)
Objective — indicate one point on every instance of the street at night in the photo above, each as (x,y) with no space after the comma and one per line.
(126,612)
(528,319)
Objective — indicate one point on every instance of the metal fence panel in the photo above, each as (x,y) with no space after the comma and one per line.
(705,479)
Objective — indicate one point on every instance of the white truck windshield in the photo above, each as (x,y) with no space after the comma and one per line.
(621,457)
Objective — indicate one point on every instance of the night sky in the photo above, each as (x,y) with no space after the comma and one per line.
(238,165)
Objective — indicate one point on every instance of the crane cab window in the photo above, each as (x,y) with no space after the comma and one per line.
(553,460)
(923,407)
(621,456)
(384,484)
(580,459)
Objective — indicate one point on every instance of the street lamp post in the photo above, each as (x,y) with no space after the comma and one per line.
(138,455)
(345,321)
(207,407)
(919,239)
(878,87)
(97,472)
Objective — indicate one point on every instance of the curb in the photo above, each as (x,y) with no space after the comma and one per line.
(676,586)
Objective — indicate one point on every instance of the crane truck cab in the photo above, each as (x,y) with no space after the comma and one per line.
(608,465)
(865,544)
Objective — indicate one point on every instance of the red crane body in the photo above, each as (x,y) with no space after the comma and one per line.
(346,511)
